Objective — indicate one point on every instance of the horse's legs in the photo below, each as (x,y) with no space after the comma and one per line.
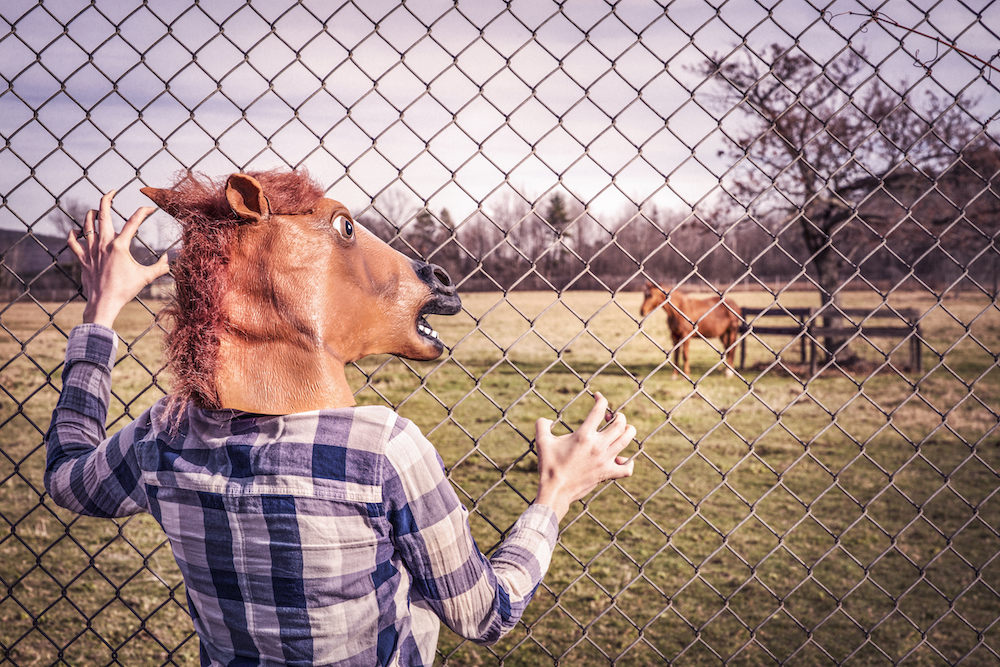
(729,342)
(677,353)
(684,353)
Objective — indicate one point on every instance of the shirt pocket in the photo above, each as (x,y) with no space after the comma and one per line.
(335,551)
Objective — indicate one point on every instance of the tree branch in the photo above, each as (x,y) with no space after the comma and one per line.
(882,18)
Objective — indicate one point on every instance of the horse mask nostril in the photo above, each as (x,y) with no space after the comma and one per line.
(444,299)
(434,276)
(442,276)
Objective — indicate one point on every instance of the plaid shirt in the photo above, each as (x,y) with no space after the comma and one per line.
(322,537)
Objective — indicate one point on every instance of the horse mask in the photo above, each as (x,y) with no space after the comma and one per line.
(277,288)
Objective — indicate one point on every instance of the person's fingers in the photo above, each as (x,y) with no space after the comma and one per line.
(89,236)
(620,470)
(132,224)
(74,245)
(623,440)
(159,268)
(596,416)
(614,430)
(543,427)
(106,228)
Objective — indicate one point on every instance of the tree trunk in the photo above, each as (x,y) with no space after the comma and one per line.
(827,267)
(836,347)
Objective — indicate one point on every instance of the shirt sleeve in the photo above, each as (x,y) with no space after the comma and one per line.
(478,598)
(84,470)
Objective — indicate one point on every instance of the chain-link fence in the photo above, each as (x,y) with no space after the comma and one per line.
(830,171)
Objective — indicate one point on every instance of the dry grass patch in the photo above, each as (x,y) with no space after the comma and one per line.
(771,516)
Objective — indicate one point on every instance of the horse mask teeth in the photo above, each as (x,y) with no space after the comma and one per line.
(424,328)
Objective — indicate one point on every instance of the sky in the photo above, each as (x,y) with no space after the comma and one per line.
(453,104)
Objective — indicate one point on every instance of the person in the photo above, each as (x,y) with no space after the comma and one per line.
(325,537)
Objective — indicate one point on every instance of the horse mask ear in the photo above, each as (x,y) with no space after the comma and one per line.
(162,198)
(246,198)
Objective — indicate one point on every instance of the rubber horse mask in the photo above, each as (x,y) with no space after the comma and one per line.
(277,288)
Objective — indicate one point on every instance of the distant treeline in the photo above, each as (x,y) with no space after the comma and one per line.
(555,244)
(529,248)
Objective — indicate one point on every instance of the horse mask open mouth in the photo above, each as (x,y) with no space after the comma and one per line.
(444,300)
(278,287)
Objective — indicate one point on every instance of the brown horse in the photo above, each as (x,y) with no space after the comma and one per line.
(709,317)
(277,288)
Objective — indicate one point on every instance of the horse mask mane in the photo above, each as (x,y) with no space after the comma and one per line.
(277,288)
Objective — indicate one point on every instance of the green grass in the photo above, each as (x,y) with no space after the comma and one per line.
(772,517)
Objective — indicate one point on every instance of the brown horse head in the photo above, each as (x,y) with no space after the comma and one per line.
(653,297)
(279,287)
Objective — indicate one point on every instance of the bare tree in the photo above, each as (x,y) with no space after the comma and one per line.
(481,238)
(397,206)
(558,260)
(523,238)
(70,216)
(425,234)
(814,142)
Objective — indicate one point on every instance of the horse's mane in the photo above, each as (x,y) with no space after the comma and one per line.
(208,230)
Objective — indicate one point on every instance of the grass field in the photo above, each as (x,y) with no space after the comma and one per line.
(772,517)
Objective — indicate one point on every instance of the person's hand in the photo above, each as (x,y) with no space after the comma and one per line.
(570,466)
(111,276)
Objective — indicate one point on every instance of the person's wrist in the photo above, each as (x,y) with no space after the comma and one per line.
(100,313)
(553,500)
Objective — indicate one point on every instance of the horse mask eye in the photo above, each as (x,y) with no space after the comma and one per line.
(344,226)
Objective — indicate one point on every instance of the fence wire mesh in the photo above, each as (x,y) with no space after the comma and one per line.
(829,170)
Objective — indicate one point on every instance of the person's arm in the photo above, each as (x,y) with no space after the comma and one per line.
(84,471)
(477,598)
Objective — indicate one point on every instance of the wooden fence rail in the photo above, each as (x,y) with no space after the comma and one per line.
(803,325)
